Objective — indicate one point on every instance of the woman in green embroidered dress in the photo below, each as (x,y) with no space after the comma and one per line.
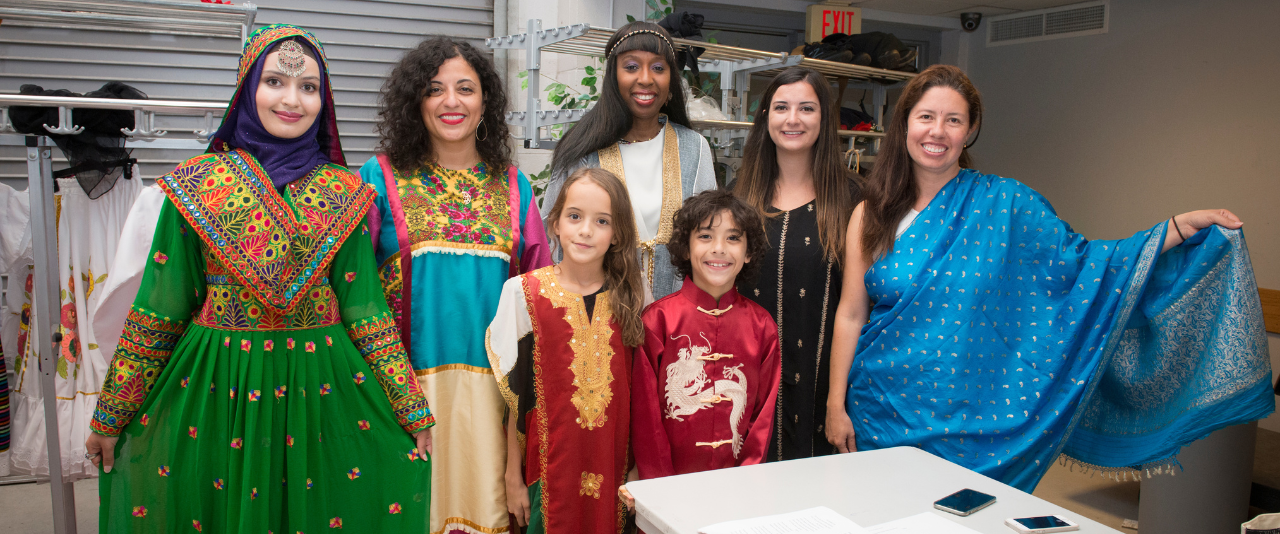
(260,384)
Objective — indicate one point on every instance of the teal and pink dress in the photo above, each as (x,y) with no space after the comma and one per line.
(446,242)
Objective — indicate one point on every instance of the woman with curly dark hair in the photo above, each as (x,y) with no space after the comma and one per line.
(453,220)
(640,131)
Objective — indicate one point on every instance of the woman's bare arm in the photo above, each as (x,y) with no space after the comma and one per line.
(851,315)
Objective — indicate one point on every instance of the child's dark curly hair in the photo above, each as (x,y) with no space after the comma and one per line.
(702,208)
(404,137)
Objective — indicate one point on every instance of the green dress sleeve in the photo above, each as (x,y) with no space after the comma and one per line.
(171,292)
(372,328)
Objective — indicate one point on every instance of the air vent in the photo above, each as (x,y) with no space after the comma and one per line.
(1054,23)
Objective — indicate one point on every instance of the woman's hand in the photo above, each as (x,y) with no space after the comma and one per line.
(1184,225)
(1201,219)
(517,497)
(102,449)
(423,439)
(840,429)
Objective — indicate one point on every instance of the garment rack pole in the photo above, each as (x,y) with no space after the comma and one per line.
(46,320)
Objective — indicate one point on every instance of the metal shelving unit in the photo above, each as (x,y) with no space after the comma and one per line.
(735,66)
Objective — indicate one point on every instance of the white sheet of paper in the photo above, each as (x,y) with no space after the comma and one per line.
(820,520)
(925,523)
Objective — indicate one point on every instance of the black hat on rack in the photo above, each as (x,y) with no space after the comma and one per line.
(685,25)
(97,155)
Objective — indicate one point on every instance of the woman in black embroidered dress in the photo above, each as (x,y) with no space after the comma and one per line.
(792,171)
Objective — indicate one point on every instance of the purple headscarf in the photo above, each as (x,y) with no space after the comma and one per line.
(284,160)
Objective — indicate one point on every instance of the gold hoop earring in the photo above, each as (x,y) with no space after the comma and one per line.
(486,131)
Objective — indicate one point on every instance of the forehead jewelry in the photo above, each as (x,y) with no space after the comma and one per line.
(629,34)
(292,61)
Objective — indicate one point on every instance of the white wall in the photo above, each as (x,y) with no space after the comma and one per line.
(1176,108)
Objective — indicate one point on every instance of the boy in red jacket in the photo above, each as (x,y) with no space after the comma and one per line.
(705,380)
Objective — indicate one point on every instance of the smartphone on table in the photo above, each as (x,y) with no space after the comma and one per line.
(1041,525)
(964,502)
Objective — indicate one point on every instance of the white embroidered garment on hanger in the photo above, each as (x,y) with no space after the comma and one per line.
(88,232)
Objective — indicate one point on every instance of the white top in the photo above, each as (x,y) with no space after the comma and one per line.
(126,270)
(510,323)
(642,163)
(907,219)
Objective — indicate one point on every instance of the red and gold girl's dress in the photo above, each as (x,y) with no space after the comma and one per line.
(563,370)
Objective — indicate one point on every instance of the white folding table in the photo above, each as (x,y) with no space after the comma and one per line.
(870,488)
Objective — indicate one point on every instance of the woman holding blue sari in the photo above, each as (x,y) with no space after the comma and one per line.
(976,325)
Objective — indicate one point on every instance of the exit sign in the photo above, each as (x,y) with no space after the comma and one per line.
(823,20)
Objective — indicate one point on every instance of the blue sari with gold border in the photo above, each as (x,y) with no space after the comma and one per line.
(999,338)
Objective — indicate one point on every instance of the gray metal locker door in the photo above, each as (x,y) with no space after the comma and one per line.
(363,39)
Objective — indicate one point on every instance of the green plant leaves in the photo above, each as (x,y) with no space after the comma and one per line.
(539,182)
(556,93)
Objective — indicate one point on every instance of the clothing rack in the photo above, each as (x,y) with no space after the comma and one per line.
(735,66)
(44,238)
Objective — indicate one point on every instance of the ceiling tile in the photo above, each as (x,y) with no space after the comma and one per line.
(915,7)
(955,7)
(988,11)
(1029,5)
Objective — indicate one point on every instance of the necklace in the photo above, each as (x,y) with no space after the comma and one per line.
(652,137)
(662,123)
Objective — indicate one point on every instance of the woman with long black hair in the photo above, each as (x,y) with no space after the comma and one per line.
(640,131)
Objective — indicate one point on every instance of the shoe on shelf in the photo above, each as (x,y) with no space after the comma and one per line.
(842,56)
(888,60)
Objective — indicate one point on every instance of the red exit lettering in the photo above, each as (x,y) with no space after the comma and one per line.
(836,22)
